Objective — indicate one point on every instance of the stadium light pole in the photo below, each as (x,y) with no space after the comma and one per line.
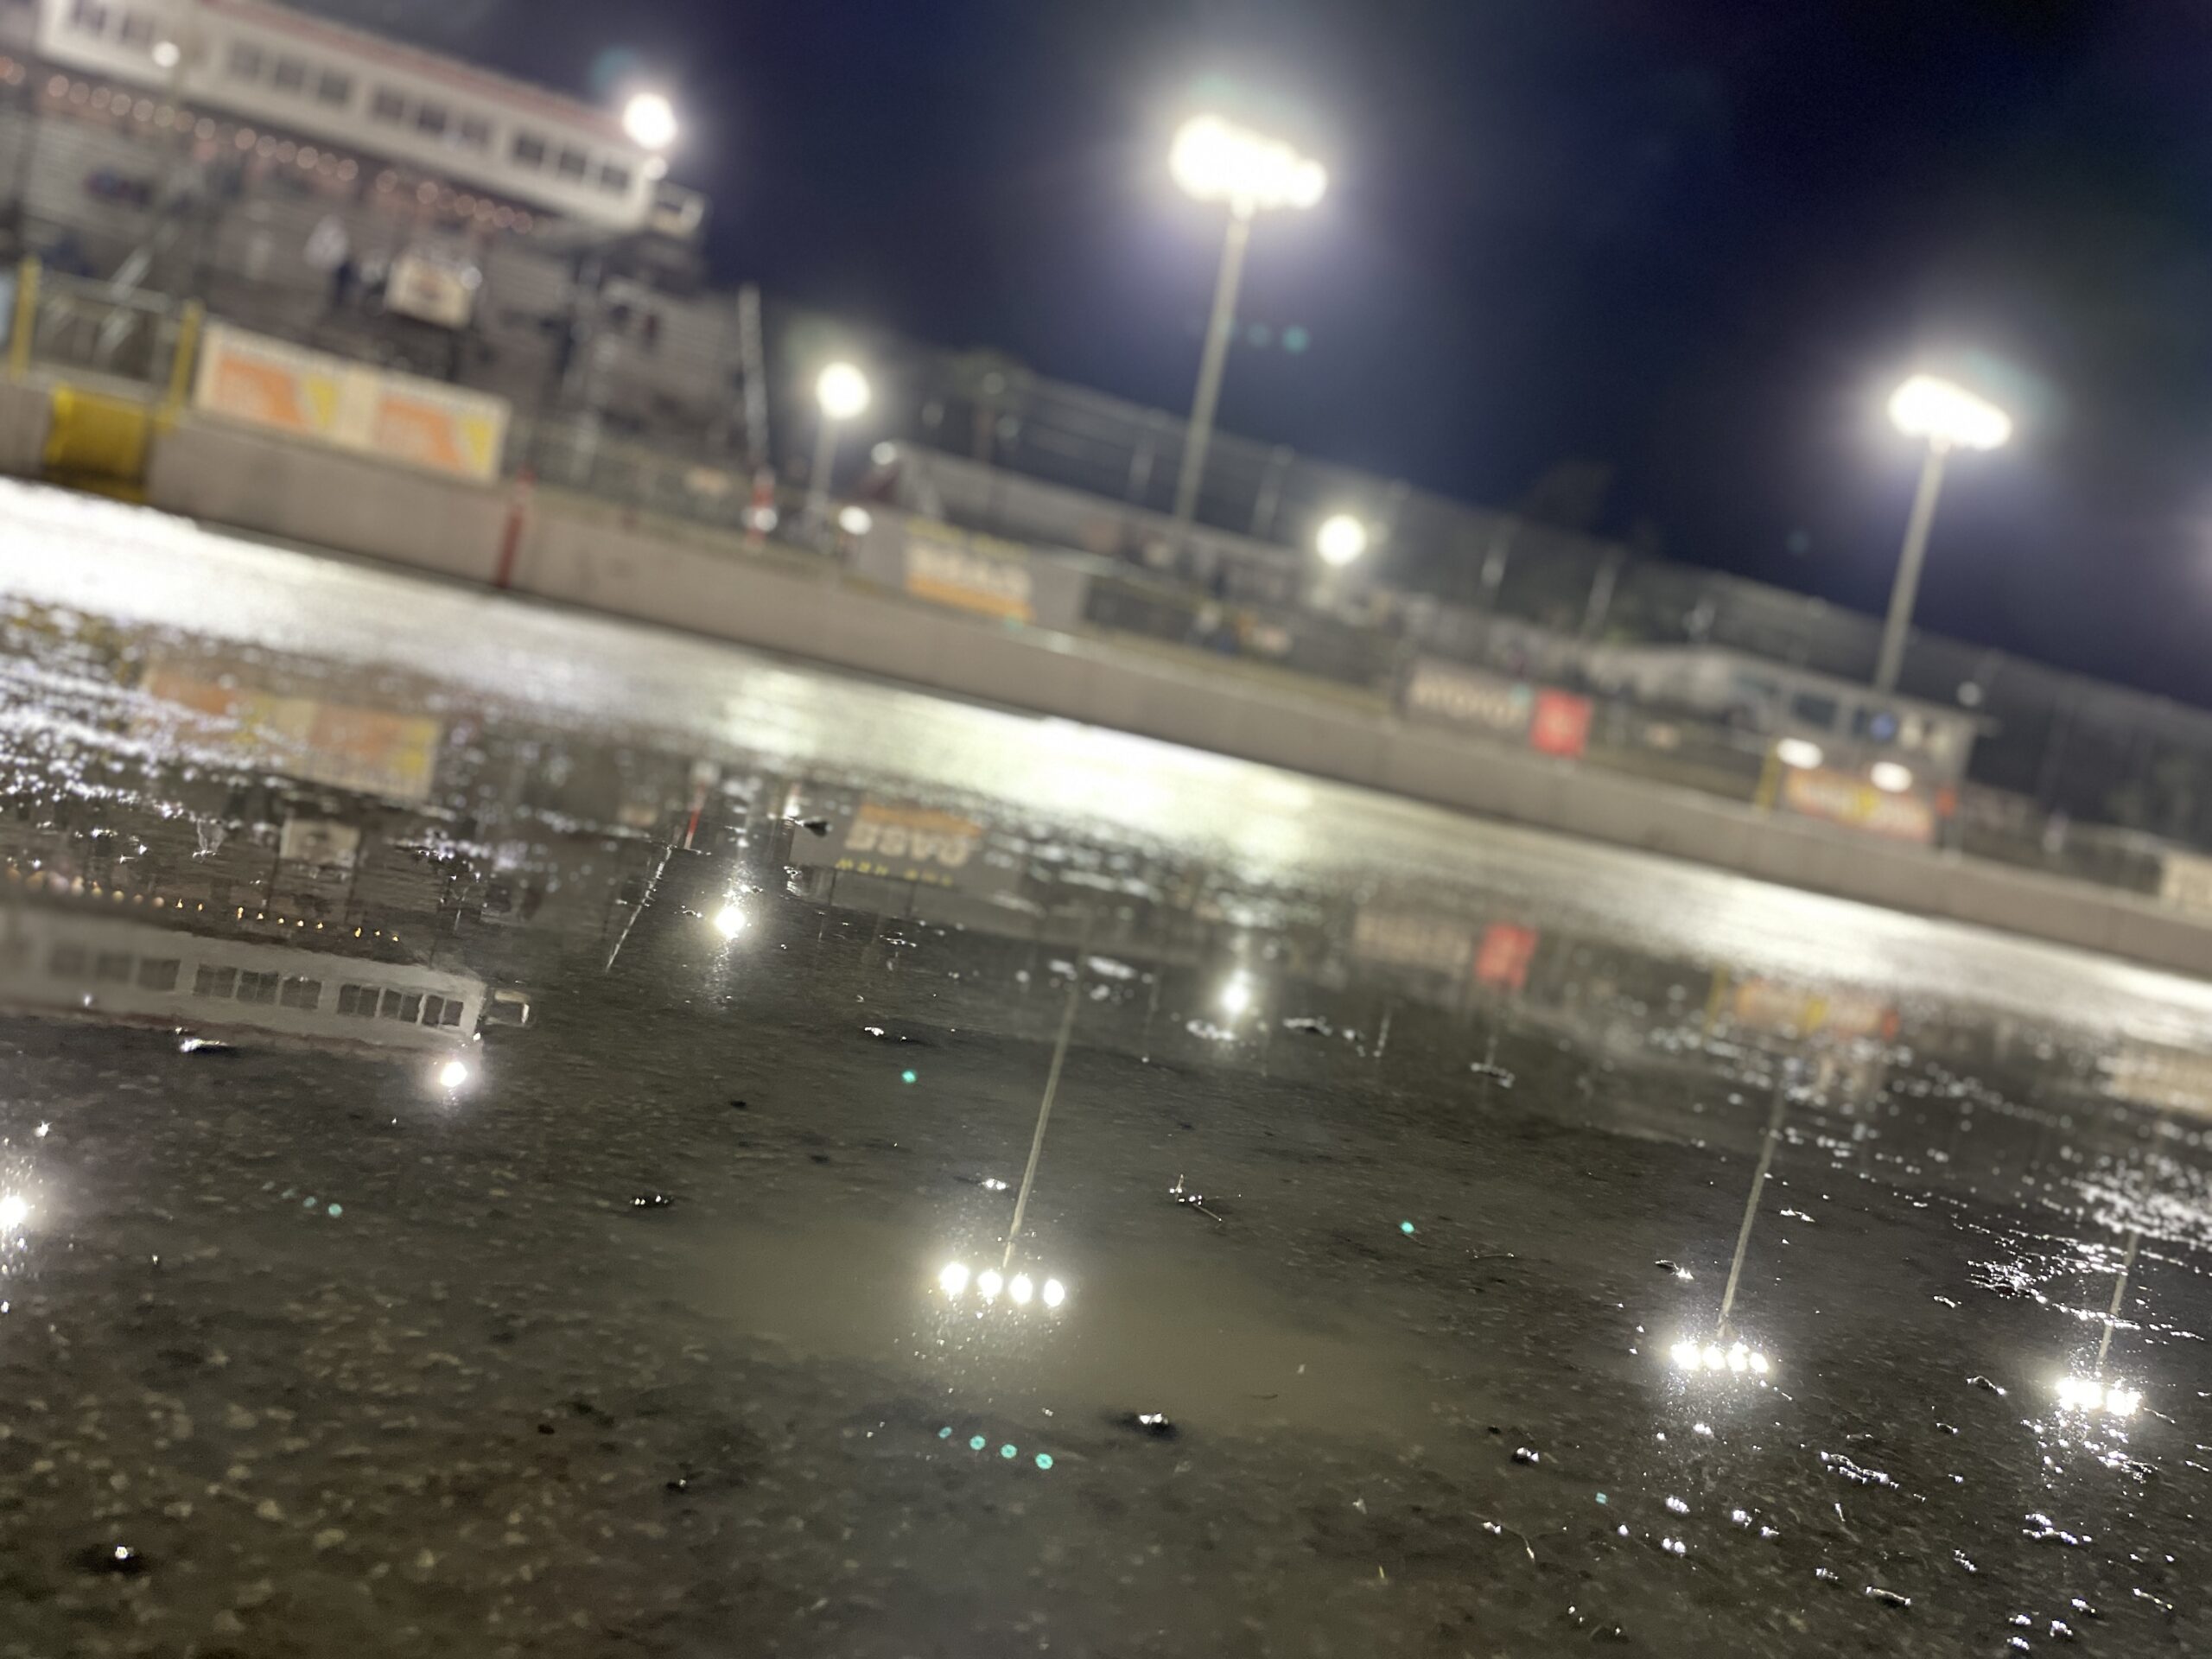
(1944,417)
(841,392)
(1214,160)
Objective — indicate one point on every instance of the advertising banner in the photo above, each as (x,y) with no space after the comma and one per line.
(364,749)
(907,844)
(266,382)
(1560,725)
(968,573)
(1839,797)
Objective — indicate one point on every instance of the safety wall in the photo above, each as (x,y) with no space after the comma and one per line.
(335,500)
(257,381)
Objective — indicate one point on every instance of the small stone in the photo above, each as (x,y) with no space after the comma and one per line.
(330,1538)
(259,1593)
(270,1509)
(229,1624)
(1523,1454)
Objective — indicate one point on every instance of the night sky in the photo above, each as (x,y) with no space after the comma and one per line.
(1693,244)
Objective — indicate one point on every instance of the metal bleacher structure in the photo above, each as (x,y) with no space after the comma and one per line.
(633,377)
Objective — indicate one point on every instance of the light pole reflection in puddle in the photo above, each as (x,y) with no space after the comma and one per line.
(2092,1393)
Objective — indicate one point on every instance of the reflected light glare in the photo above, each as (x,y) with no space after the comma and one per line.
(989,1283)
(1684,1354)
(2122,1402)
(452,1074)
(1798,752)
(729,921)
(954,1279)
(1055,1293)
(842,392)
(856,521)
(14,1211)
(1022,1290)
(1925,407)
(1214,161)
(1714,1359)
(1739,1358)
(1758,1365)
(1891,777)
(166,54)
(1236,996)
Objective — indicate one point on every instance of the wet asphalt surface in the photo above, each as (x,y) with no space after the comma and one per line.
(1423,1198)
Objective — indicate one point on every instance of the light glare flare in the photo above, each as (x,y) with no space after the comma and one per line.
(1341,540)
(954,1279)
(1891,777)
(1799,752)
(842,392)
(14,1211)
(452,1074)
(729,921)
(1055,1293)
(1236,997)
(1216,160)
(650,119)
(989,1283)
(856,521)
(1925,407)
(1022,1290)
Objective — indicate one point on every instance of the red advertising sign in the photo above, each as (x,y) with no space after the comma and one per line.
(1560,725)
(1506,952)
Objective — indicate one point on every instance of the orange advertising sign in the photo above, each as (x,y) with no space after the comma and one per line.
(346,747)
(1838,797)
(267,382)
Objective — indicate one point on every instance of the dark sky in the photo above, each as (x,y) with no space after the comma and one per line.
(1694,242)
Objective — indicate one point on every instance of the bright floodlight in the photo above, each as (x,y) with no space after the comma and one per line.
(14,1211)
(166,54)
(729,921)
(1891,777)
(452,1074)
(1055,1293)
(1214,161)
(1925,407)
(1236,996)
(1341,539)
(954,1279)
(856,521)
(989,1283)
(650,119)
(1798,752)
(842,392)
(1022,1290)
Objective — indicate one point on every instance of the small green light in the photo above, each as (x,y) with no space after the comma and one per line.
(945,1433)
(977,1444)
(907,1077)
(1044,1459)
(1008,1450)
(1406,1227)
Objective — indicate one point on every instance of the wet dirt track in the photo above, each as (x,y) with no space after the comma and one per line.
(1518,1248)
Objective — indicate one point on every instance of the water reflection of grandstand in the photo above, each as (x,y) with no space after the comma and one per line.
(60,957)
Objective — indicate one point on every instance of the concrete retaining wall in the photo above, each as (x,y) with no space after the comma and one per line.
(356,506)
(25,410)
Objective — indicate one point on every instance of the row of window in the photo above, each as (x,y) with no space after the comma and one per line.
(252,64)
(73,962)
(426,117)
(284,73)
(99,18)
